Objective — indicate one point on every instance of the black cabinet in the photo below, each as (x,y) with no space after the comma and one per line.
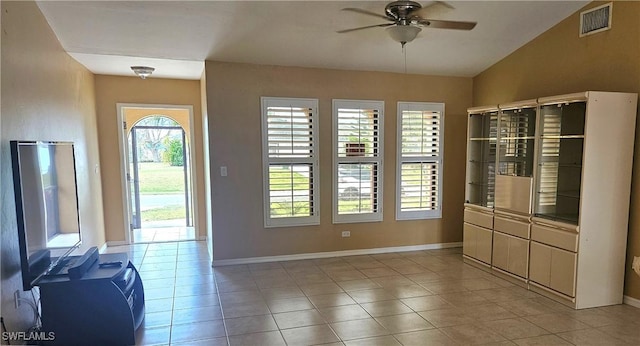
(103,307)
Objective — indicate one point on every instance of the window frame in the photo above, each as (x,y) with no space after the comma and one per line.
(313,161)
(400,160)
(376,216)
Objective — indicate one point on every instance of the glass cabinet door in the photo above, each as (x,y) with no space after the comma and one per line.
(517,137)
(481,156)
(560,161)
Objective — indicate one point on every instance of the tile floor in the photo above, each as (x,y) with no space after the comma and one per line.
(412,298)
(163,234)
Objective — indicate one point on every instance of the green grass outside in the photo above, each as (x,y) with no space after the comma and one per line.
(170,212)
(281,209)
(281,179)
(160,178)
(354,206)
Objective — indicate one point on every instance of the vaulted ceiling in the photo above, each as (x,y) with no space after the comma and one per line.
(176,37)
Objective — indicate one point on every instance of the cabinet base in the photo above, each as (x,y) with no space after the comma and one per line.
(478,264)
(553,295)
(514,279)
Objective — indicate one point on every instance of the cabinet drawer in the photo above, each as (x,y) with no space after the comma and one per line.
(478,218)
(555,237)
(511,226)
(540,264)
(477,242)
(553,268)
(469,240)
(511,254)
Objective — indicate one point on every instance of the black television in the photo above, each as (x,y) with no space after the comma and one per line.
(48,220)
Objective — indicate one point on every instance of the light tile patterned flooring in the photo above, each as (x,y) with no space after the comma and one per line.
(411,298)
(163,234)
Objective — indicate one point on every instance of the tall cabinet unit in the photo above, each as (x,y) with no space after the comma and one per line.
(482,134)
(581,200)
(513,189)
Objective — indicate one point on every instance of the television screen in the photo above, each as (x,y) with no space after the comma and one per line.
(44,178)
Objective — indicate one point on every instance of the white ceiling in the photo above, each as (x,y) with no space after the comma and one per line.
(176,37)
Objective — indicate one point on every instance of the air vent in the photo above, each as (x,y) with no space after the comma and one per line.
(595,20)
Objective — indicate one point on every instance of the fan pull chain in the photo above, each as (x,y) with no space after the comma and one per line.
(404,52)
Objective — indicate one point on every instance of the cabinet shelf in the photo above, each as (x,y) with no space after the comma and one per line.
(481,161)
(570,218)
(518,158)
(567,193)
(483,139)
(569,165)
(561,165)
(480,184)
(518,137)
(562,137)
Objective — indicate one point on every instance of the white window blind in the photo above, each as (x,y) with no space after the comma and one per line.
(548,188)
(290,161)
(358,153)
(419,160)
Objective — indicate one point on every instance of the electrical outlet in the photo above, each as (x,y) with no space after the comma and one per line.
(16,298)
(346,234)
(636,265)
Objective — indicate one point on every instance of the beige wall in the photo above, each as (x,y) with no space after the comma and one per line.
(559,62)
(233,96)
(111,90)
(46,95)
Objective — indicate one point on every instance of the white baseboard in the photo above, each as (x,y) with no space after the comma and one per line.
(632,301)
(314,255)
(117,243)
(103,248)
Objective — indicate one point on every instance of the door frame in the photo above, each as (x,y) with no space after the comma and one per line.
(123,148)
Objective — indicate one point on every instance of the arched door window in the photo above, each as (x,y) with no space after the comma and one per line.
(159,178)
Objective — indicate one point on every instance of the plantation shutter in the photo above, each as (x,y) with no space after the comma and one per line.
(358,160)
(290,161)
(420,130)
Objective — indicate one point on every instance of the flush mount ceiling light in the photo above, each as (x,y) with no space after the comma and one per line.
(403,33)
(142,71)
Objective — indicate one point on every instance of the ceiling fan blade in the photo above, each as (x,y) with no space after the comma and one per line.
(361,11)
(435,7)
(365,27)
(447,24)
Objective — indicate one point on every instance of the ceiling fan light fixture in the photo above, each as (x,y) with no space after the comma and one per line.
(403,33)
(142,71)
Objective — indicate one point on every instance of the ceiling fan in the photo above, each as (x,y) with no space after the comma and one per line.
(406,19)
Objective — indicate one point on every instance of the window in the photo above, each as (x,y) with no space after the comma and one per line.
(419,160)
(357,155)
(290,161)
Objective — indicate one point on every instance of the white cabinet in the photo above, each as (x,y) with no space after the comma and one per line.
(550,186)
(513,192)
(581,205)
(482,134)
(501,155)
